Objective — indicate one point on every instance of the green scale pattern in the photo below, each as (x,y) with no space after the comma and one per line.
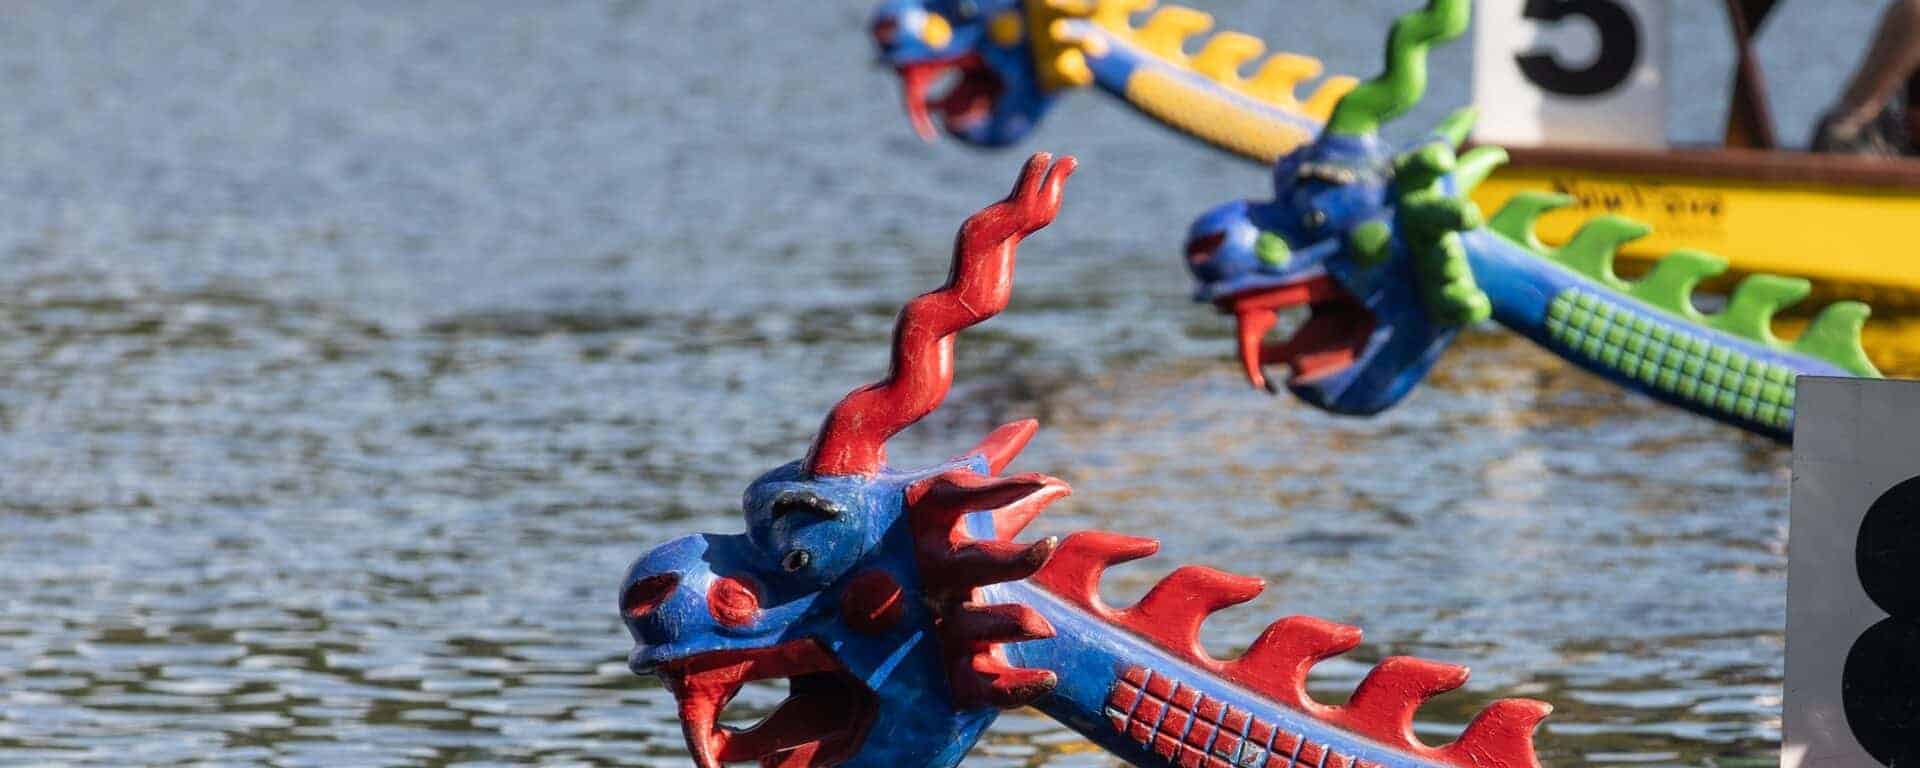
(1673,361)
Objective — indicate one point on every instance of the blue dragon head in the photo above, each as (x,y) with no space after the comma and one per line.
(857,582)
(1364,236)
(980,51)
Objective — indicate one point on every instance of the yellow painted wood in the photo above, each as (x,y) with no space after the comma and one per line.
(1852,242)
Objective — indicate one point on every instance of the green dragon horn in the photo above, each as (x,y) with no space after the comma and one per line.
(1405,81)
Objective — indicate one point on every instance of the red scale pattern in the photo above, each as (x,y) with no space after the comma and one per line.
(1193,730)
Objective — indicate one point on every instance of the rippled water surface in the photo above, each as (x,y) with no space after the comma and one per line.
(349,351)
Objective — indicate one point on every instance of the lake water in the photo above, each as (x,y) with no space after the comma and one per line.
(349,351)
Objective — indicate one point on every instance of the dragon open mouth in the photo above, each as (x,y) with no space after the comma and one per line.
(821,723)
(966,103)
(1332,338)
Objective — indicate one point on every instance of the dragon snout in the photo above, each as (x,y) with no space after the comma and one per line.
(668,599)
(1220,246)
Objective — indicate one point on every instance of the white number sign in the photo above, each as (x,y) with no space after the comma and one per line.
(1573,72)
(1853,592)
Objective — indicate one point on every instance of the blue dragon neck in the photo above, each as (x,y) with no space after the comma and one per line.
(1638,345)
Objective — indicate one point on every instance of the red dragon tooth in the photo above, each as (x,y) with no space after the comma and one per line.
(1500,737)
(1073,574)
(1002,445)
(1174,609)
(979,563)
(1277,663)
(1003,623)
(1384,704)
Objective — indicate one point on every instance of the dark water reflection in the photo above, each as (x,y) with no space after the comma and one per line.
(348,352)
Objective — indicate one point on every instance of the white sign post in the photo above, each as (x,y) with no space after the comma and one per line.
(1580,72)
(1853,592)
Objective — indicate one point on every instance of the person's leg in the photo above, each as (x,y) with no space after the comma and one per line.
(1913,112)
(1891,62)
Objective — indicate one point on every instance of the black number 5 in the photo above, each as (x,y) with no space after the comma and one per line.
(1880,687)
(1619,48)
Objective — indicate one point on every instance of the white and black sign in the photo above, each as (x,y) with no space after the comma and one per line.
(1853,602)
(1582,72)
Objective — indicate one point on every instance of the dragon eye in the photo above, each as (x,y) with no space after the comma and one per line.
(796,560)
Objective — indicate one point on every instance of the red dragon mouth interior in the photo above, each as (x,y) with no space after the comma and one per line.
(1332,338)
(966,103)
(822,722)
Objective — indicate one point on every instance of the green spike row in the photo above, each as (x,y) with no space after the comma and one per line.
(1834,335)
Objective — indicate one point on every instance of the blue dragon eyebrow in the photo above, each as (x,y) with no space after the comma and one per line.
(808,502)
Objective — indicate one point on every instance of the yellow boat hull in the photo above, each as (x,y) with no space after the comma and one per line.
(1852,226)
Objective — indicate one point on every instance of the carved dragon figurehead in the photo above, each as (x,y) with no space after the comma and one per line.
(1009,60)
(846,582)
(1350,234)
(997,93)
(1391,260)
(904,616)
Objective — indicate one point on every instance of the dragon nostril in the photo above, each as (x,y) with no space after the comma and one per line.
(733,602)
(886,30)
(646,594)
(1200,249)
(796,560)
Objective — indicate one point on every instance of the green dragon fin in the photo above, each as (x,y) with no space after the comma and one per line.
(1515,220)
(1833,337)
(1591,250)
(1475,166)
(1749,314)
(1671,283)
(1455,128)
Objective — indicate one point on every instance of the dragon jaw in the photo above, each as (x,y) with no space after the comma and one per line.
(1366,340)
(821,723)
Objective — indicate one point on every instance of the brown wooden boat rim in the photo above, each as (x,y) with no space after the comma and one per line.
(1724,164)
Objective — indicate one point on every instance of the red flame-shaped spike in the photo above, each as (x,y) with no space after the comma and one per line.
(1075,569)
(1501,736)
(1381,709)
(1003,444)
(853,439)
(1171,613)
(1278,662)
(954,565)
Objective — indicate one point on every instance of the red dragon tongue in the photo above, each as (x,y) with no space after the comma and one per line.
(914,81)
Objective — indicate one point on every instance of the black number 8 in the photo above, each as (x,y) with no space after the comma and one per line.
(1619,48)
(1880,688)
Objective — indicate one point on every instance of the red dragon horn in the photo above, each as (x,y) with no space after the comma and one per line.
(853,439)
